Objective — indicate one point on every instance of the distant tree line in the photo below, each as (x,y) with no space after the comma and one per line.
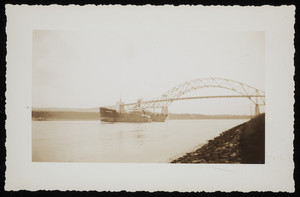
(202,116)
(64,115)
(76,115)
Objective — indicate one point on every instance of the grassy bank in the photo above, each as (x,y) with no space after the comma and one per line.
(244,143)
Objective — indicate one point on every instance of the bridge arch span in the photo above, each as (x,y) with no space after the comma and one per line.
(181,89)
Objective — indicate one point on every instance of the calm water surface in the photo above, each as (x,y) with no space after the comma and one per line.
(93,141)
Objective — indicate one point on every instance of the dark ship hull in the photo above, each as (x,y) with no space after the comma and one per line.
(111,115)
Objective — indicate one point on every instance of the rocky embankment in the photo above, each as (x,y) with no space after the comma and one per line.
(244,143)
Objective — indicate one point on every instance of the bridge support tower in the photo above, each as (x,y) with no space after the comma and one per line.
(257,110)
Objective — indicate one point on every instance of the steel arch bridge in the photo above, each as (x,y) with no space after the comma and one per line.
(254,95)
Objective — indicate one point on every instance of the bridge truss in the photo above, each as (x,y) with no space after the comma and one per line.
(254,95)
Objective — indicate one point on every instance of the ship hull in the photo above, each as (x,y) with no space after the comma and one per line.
(111,115)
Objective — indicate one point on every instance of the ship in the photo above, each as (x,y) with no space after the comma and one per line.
(136,114)
(158,117)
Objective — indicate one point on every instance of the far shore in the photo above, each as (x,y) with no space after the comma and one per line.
(56,115)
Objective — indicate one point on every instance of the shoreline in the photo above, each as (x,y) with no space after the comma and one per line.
(244,143)
(92,114)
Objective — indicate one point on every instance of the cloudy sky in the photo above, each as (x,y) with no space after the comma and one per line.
(92,68)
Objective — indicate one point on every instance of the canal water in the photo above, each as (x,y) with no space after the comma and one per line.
(93,141)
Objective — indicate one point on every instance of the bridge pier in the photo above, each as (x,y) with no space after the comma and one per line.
(257,110)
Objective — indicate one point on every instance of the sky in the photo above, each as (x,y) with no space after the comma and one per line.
(93,68)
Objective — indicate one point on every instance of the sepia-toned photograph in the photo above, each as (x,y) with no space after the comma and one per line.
(168,95)
(150,98)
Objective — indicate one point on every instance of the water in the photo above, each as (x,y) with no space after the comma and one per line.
(93,141)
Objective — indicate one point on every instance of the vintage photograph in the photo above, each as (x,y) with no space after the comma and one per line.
(150,98)
(148,93)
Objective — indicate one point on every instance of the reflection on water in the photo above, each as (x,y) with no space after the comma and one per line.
(93,141)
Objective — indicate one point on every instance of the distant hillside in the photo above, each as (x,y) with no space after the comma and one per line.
(93,114)
(173,116)
(95,109)
(64,115)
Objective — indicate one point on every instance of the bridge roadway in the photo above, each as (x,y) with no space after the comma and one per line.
(198,97)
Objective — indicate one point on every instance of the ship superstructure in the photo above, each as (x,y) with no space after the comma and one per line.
(136,114)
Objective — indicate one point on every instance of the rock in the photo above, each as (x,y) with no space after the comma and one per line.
(225,148)
(218,149)
(199,161)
